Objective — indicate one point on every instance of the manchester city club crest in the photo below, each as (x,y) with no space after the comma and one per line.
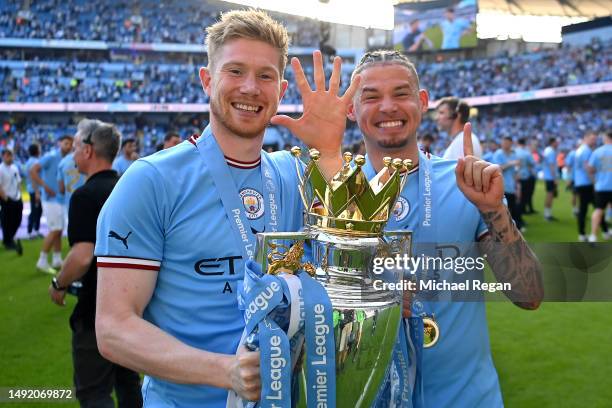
(253,203)
(402,207)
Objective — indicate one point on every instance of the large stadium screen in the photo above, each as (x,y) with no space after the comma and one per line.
(435,25)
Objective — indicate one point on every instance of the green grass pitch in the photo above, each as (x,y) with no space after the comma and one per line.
(557,356)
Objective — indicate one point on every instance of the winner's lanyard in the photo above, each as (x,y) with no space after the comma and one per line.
(212,156)
(408,352)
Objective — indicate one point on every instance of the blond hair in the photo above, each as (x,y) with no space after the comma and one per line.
(251,24)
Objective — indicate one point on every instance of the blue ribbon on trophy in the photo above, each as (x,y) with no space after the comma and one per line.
(278,320)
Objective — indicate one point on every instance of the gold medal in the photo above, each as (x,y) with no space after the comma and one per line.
(431,332)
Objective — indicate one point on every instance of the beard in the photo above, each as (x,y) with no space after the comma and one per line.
(224,119)
(393,143)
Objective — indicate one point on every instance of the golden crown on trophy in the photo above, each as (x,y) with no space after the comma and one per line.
(349,204)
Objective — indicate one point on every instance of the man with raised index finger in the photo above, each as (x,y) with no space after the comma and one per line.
(457,369)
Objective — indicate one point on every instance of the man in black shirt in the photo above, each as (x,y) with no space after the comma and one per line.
(96,145)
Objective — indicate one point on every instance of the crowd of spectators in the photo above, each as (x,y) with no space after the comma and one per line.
(549,68)
(143,21)
(74,81)
(565,121)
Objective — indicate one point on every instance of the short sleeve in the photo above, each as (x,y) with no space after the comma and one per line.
(82,219)
(60,171)
(45,160)
(594,160)
(131,225)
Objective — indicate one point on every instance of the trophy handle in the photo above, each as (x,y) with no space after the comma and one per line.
(265,242)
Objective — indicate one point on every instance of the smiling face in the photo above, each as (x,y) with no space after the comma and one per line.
(388,106)
(245,86)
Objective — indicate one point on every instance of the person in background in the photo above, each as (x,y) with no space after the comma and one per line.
(44,174)
(94,377)
(171,139)
(10,201)
(600,167)
(508,161)
(569,166)
(451,116)
(425,143)
(537,159)
(549,165)
(526,170)
(34,192)
(127,156)
(583,180)
(453,29)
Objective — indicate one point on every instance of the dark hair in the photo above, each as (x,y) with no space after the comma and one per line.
(458,107)
(427,136)
(126,141)
(171,134)
(65,137)
(551,141)
(33,150)
(507,138)
(5,151)
(521,141)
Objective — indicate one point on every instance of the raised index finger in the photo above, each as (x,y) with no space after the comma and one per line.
(468,148)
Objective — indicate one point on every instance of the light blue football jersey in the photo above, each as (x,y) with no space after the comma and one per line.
(601,160)
(549,160)
(28,166)
(569,163)
(458,371)
(121,164)
(70,175)
(49,164)
(527,166)
(166,214)
(500,157)
(581,160)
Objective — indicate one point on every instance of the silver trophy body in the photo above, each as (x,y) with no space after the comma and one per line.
(343,234)
(366,319)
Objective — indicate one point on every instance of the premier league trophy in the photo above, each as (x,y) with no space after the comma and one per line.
(344,233)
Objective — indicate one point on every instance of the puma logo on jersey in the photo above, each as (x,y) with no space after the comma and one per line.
(113,234)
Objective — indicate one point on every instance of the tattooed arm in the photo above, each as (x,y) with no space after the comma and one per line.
(511,259)
(507,252)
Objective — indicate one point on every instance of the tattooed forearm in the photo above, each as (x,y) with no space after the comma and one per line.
(512,260)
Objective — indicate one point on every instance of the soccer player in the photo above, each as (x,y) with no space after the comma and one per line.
(68,176)
(464,205)
(175,233)
(453,29)
(127,157)
(600,165)
(451,116)
(44,174)
(508,162)
(526,170)
(34,192)
(583,182)
(569,165)
(549,165)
